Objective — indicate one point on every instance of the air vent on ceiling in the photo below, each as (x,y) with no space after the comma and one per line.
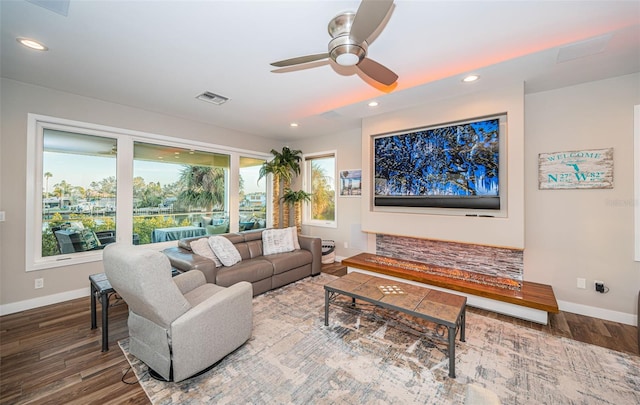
(331,115)
(581,49)
(212,98)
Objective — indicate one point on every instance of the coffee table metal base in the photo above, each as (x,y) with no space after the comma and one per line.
(331,294)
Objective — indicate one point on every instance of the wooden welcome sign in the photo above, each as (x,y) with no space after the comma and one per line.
(576,169)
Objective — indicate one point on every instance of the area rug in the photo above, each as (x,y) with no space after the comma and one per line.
(372,356)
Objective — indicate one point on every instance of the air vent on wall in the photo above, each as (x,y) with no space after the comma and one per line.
(212,98)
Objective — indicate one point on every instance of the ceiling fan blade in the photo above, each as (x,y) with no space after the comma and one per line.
(377,72)
(368,17)
(300,59)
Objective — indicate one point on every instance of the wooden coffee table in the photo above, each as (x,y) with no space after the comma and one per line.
(445,309)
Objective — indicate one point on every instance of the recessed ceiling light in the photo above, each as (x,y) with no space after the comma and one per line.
(293,124)
(373,104)
(32,44)
(470,78)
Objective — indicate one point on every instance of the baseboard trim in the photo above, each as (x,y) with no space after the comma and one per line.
(25,305)
(594,312)
(586,310)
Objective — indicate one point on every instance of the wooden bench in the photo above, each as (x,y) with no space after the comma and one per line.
(533,302)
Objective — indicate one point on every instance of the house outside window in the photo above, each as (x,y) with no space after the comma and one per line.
(320,182)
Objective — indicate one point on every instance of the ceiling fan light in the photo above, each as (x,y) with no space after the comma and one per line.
(347,59)
(345,52)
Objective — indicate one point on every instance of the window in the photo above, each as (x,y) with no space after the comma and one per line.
(90,185)
(319,181)
(253,194)
(79,192)
(176,190)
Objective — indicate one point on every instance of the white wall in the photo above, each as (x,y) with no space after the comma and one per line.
(16,101)
(587,234)
(567,234)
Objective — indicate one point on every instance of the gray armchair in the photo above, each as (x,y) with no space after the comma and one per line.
(182,325)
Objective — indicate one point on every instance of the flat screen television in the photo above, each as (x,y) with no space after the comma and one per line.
(455,165)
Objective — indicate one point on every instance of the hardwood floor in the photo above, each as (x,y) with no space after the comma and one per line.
(50,355)
(612,335)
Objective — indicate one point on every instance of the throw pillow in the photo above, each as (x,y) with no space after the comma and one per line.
(224,249)
(277,241)
(201,247)
(294,235)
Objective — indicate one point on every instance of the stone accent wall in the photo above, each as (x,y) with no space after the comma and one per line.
(488,260)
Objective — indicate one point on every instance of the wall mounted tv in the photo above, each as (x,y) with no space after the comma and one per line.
(455,165)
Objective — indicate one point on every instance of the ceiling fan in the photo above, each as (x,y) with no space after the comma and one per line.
(348,47)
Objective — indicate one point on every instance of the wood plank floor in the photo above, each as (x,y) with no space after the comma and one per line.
(50,355)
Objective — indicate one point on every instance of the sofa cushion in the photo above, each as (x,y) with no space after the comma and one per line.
(225,250)
(277,241)
(252,235)
(250,270)
(283,262)
(201,247)
(255,248)
(234,237)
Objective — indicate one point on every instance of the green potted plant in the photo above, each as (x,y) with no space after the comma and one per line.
(293,200)
(282,167)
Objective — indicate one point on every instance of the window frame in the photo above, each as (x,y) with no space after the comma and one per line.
(307,184)
(125,139)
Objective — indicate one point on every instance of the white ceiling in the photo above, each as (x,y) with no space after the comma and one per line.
(159,55)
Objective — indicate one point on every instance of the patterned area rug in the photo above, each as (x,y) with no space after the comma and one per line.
(376,357)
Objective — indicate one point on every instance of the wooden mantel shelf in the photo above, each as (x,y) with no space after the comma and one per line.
(531,295)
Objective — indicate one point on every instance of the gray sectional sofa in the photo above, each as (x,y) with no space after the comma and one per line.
(263,272)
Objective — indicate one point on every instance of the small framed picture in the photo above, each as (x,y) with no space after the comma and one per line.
(351,183)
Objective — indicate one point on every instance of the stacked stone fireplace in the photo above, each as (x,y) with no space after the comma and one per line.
(488,265)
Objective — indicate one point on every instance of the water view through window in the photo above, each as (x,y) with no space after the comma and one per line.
(177,192)
(79,192)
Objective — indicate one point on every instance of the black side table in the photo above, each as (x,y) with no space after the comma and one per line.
(100,287)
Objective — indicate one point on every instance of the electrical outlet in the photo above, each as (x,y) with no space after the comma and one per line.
(600,286)
(346,245)
(581,283)
(39,283)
